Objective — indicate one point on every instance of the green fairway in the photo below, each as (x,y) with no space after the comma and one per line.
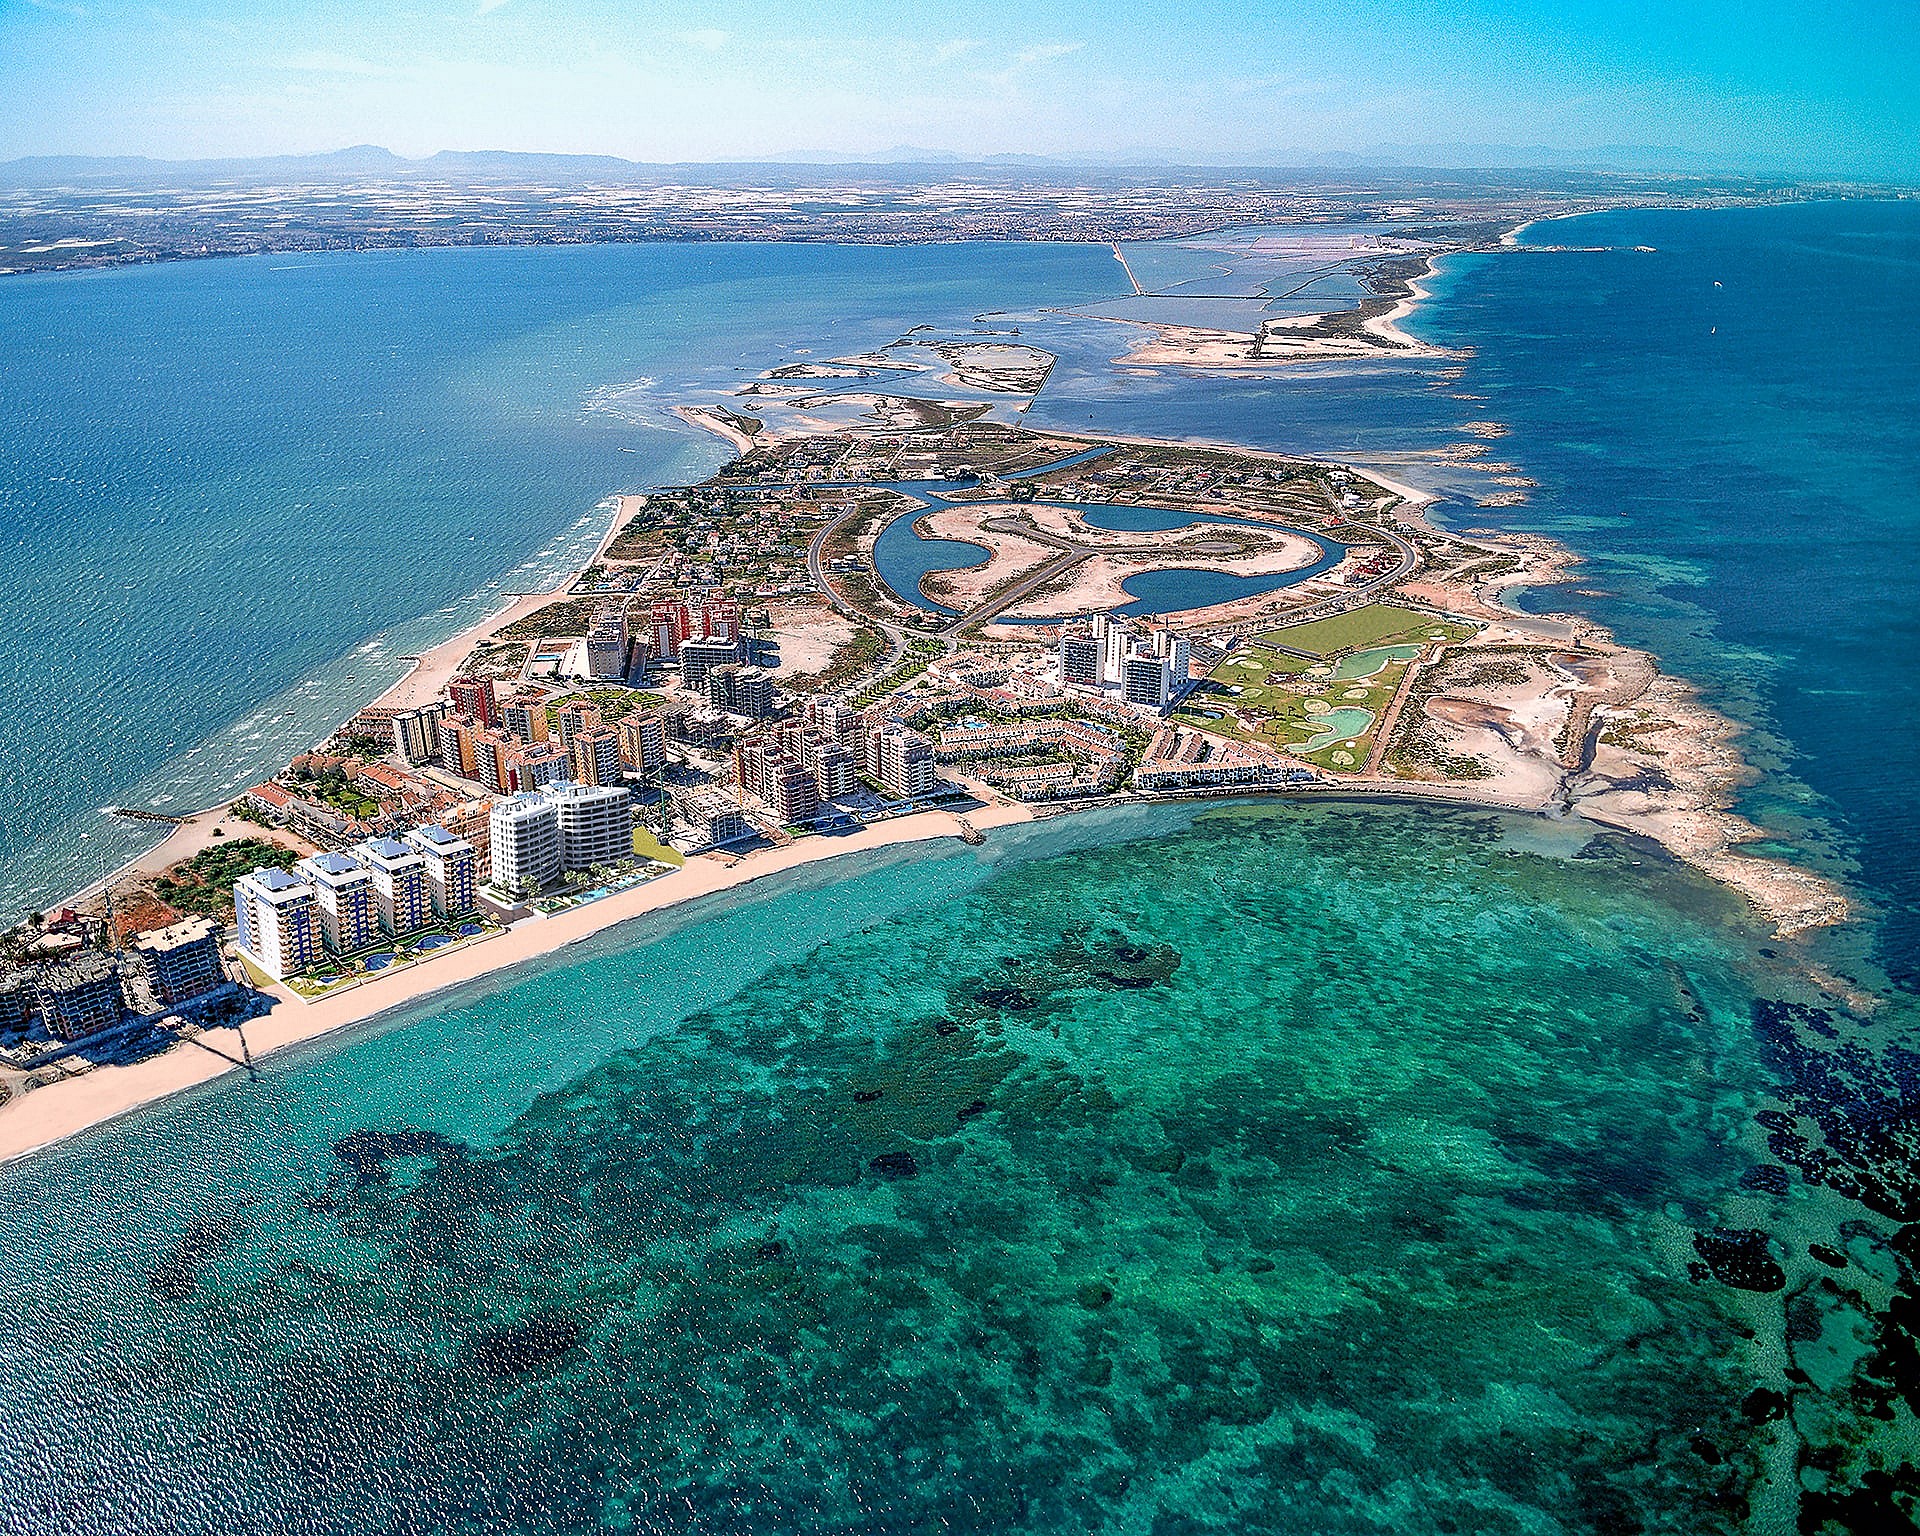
(1299,706)
(1374,624)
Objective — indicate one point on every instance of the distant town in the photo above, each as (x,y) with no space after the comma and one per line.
(61,213)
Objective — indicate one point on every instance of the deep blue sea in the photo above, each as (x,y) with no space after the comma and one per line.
(1325,1168)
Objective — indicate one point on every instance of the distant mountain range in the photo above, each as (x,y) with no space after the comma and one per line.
(367,161)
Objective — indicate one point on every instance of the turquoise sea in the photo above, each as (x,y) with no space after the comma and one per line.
(1341,1168)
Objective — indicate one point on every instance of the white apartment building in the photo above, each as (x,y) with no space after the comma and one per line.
(1146,667)
(402,894)
(902,760)
(349,909)
(452,869)
(524,833)
(596,823)
(278,915)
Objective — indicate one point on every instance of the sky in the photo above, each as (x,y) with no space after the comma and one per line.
(1825,86)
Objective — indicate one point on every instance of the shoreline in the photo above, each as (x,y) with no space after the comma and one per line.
(57,1112)
(422,681)
(1695,824)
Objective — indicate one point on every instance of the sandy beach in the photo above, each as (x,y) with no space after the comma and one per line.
(424,681)
(59,1110)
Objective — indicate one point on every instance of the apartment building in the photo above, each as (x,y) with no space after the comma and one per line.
(278,915)
(452,870)
(349,907)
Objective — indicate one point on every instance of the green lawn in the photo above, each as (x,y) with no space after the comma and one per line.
(1374,624)
(1285,702)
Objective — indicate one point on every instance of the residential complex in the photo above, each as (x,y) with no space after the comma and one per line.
(403,897)
(538,836)
(1147,667)
(525,830)
(675,623)
(278,917)
(452,870)
(349,910)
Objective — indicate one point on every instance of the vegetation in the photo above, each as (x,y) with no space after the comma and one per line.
(614,704)
(332,788)
(203,884)
(1285,702)
(1373,624)
(568,616)
(920,655)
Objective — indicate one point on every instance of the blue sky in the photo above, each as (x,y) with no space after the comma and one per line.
(1824,86)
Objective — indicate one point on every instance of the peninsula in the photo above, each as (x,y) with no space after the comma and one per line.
(848,640)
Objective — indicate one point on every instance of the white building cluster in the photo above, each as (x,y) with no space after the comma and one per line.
(339,903)
(537,836)
(1145,667)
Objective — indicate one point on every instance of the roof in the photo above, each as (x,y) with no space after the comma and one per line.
(269,878)
(189,930)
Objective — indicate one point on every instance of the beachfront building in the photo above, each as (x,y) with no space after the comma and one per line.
(16,1003)
(81,996)
(643,742)
(278,915)
(596,756)
(452,869)
(901,760)
(524,833)
(181,961)
(473,697)
(709,818)
(1178,758)
(349,910)
(416,733)
(835,769)
(596,824)
(402,894)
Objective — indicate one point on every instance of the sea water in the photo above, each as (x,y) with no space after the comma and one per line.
(1331,1168)
(1328,1169)
(235,494)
